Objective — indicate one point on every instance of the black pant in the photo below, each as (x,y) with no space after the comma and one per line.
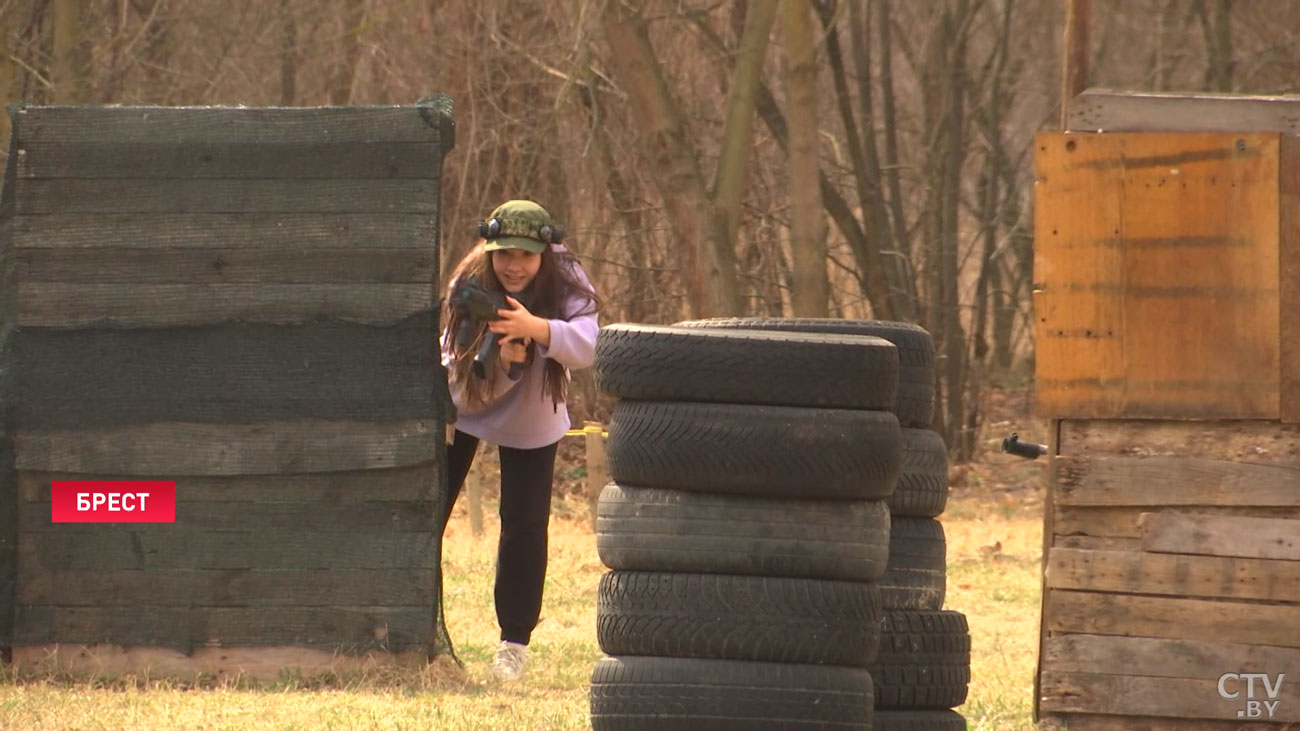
(526,476)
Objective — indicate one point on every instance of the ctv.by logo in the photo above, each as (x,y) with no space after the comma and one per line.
(1254,708)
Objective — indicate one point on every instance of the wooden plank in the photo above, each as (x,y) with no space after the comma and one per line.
(1213,577)
(398,629)
(1174,618)
(166,546)
(1234,441)
(1095,543)
(49,304)
(263,664)
(212,125)
(79,379)
(1267,538)
(9,529)
(1188,659)
(41,197)
(1048,536)
(299,232)
(225,265)
(264,518)
(1132,695)
(1097,110)
(1122,522)
(229,588)
(1097,722)
(1175,481)
(1159,303)
(203,159)
(597,470)
(1289,282)
(9,536)
(172,450)
(414,483)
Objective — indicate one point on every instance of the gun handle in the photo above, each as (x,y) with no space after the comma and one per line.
(486,357)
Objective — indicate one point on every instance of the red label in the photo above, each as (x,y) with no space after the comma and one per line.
(113,501)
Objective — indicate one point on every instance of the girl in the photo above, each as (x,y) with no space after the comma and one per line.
(521,410)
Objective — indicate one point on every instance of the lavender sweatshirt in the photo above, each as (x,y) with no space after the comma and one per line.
(517,414)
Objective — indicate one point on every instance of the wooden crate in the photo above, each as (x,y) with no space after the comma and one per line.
(244,301)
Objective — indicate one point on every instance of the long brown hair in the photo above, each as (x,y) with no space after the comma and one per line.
(556,282)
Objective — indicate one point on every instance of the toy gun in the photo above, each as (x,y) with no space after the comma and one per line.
(475,304)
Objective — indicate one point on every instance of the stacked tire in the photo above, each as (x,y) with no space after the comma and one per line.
(745,527)
(922,669)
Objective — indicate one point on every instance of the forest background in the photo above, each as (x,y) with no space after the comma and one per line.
(842,158)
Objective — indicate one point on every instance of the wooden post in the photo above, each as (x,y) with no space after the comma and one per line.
(597,473)
(474,498)
(1074,54)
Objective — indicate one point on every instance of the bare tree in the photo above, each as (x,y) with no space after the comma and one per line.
(288,54)
(70,70)
(1216,23)
(810,295)
(345,74)
(707,252)
(8,85)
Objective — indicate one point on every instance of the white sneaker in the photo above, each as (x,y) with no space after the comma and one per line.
(511,659)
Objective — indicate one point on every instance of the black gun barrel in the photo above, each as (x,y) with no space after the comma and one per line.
(1028,450)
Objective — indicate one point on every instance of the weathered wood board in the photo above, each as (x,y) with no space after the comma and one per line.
(1239,622)
(1160,658)
(220,664)
(1215,535)
(337,626)
(1108,110)
(101,378)
(1134,695)
(1140,572)
(177,449)
(1189,480)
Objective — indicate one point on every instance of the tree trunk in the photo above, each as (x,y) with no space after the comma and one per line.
(70,70)
(710,277)
(881,277)
(8,94)
(1074,69)
(810,296)
(738,133)
(915,310)
(345,74)
(1217,27)
(158,52)
(288,55)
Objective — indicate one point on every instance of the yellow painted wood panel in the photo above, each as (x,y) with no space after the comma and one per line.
(1157,275)
(1289,335)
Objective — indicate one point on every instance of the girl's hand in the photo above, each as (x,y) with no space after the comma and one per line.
(518,322)
(512,351)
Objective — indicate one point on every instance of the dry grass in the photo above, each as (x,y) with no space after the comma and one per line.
(994,535)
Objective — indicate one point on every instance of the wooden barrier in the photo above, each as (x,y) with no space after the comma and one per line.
(243,301)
